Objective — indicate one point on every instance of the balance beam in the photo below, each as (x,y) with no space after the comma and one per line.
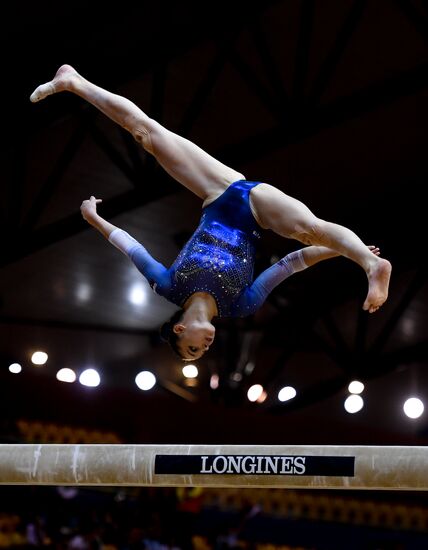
(274,466)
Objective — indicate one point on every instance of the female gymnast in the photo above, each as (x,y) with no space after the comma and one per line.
(213,274)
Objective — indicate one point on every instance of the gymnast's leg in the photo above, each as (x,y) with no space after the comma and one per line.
(183,160)
(291,218)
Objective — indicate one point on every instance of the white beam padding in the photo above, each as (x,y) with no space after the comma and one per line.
(274,466)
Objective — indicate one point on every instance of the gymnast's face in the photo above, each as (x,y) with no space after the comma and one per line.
(194,338)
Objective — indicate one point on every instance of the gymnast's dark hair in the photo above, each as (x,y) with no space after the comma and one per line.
(167,333)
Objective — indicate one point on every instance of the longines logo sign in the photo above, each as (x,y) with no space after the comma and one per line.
(244,465)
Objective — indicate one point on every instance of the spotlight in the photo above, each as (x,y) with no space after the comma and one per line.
(413,407)
(286,393)
(356,387)
(354,403)
(255,392)
(190,371)
(39,358)
(214,381)
(145,380)
(15,368)
(137,294)
(66,375)
(90,378)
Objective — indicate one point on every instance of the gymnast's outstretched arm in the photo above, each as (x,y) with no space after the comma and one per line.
(153,271)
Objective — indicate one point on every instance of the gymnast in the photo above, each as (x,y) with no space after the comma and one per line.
(212,275)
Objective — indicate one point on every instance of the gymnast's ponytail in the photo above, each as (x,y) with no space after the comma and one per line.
(167,332)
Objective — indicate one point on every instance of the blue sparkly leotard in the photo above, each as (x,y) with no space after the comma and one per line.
(217,259)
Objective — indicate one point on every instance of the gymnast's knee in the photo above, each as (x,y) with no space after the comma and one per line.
(141,130)
(310,232)
(142,135)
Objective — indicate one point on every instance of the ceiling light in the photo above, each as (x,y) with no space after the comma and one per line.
(262,397)
(90,378)
(15,368)
(66,375)
(354,403)
(249,367)
(84,292)
(214,381)
(356,387)
(137,295)
(255,392)
(39,358)
(190,371)
(145,380)
(286,393)
(413,407)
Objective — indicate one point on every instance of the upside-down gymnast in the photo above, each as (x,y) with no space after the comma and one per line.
(212,276)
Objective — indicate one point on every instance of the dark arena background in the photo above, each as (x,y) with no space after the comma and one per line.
(326,100)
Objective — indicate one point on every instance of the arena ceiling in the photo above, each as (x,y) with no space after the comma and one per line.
(325,100)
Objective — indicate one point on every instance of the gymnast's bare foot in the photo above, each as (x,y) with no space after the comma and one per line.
(378,274)
(62,81)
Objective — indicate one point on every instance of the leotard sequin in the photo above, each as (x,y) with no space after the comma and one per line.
(217,259)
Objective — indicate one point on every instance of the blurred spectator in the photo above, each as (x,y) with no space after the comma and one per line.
(36,532)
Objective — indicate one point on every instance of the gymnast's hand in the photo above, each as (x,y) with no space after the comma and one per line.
(88,208)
